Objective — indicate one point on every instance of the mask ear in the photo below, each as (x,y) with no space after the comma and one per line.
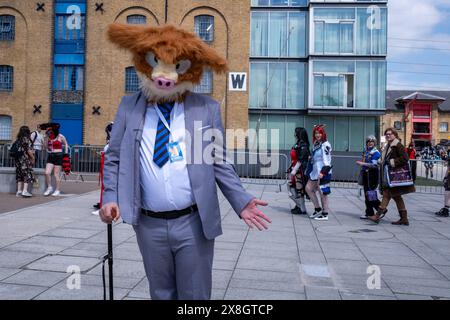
(127,36)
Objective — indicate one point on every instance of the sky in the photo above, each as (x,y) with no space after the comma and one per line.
(423,24)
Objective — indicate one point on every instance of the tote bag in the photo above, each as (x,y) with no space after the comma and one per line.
(398,176)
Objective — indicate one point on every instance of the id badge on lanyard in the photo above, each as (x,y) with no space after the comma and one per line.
(173,147)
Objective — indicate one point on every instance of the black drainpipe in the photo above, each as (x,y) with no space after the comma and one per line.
(166,9)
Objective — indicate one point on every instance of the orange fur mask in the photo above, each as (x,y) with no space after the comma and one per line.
(168,60)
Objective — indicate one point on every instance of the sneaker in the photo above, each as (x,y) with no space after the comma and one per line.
(315,214)
(19,193)
(322,217)
(56,193)
(26,194)
(364,217)
(48,191)
(96,212)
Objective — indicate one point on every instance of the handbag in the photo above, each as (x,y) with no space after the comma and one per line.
(372,195)
(398,176)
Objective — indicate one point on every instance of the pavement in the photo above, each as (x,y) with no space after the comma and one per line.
(296,259)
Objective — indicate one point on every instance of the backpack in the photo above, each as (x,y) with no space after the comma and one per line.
(16,150)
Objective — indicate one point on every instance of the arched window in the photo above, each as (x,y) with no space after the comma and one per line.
(5,128)
(136,19)
(7,27)
(206,84)
(131,80)
(6,78)
(204,27)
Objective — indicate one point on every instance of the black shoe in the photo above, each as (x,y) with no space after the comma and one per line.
(296,210)
(444,212)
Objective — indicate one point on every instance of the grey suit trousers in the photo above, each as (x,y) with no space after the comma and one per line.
(177,257)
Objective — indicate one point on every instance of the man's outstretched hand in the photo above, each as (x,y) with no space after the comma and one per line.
(110,212)
(253,216)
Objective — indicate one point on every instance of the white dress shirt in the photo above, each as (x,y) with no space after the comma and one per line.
(167,188)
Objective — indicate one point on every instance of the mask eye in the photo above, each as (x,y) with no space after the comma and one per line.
(183,66)
(151,59)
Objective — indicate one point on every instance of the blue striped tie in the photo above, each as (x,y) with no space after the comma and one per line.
(160,154)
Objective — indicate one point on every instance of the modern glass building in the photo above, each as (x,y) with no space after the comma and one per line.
(317,62)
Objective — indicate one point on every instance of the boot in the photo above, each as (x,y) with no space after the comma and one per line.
(403,219)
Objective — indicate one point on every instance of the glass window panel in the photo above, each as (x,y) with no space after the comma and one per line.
(378,85)
(297,32)
(310,122)
(206,83)
(357,134)
(295,98)
(299,3)
(318,90)
(329,128)
(6,78)
(379,34)
(204,27)
(363,84)
(342,135)
(131,80)
(7,27)
(278,34)
(276,138)
(279,3)
(334,66)
(259,34)
(334,13)
(136,19)
(332,37)
(292,122)
(346,38)
(277,85)
(256,3)
(370,128)
(363,32)
(5,128)
(319,35)
(258,85)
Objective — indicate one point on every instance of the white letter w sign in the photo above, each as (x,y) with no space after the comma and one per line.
(237,81)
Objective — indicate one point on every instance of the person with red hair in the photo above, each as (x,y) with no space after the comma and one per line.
(319,171)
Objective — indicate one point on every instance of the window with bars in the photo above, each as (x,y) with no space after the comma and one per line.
(67,30)
(132,82)
(206,83)
(7,27)
(6,78)
(136,19)
(204,27)
(5,128)
(68,78)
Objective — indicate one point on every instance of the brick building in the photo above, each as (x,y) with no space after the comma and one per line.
(422,117)
(305,62)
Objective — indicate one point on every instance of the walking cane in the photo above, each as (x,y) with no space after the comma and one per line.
(109,256)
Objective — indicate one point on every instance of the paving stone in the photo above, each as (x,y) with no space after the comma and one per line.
(7,272)
(260,284)
(322,293)
(61,263)
(36,278)
(84,293)
(42,244)
(269,264)
(19,292)
(123,268)
(17,259)
(71,233)
(265,275)
(221,278)
(253,294)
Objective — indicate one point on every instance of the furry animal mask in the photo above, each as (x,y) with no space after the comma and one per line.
(168,60)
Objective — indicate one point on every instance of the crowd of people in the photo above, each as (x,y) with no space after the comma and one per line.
(28,153)
(390,172)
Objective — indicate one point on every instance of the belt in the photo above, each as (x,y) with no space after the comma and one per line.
(169,214)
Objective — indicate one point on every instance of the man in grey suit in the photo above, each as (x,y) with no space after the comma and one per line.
(160,174)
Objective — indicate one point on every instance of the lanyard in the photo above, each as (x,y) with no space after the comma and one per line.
(163,120)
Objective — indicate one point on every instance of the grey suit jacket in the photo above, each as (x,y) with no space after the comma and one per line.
(122,176)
